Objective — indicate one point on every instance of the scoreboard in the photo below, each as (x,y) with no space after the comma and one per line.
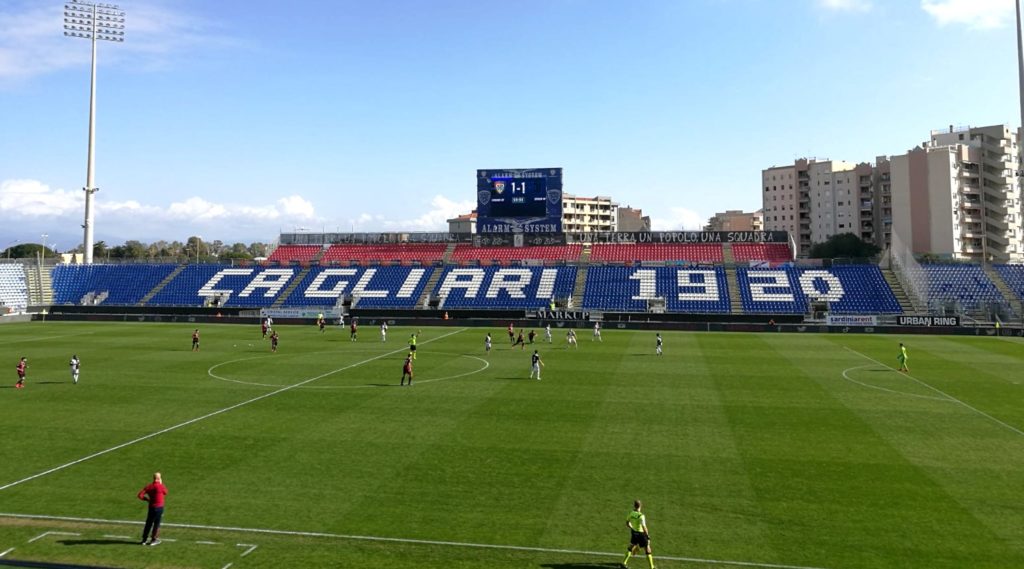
(519,200)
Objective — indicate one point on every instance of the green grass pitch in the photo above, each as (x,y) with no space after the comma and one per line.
(748,450)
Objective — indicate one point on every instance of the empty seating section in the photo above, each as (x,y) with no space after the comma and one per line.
(404,253)
(299,253)
(701,253)
(849,289)
(375,287)
(106,284)
(773,252)
(527,288)
(630,289)
(965,285)
(466,253)
(1013,276)
(184,289)
(13,287)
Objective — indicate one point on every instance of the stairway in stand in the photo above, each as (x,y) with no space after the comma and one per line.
(160,286)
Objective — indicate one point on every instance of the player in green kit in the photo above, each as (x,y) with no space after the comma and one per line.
(638,535)
(412,346)
(902,358)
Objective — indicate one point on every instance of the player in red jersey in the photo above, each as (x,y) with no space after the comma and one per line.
(273,341)
(407,370)
(511,334)
(263,328)
(195,340)
(22,365)
(352,331)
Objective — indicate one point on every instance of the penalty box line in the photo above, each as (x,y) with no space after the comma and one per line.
(316,534)
(213,414)
(939,391)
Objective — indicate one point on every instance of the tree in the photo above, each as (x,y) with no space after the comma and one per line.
(258,249)
(844,245)
(26,250)
(236,251)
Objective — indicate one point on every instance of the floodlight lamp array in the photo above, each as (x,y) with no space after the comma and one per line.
(84,20)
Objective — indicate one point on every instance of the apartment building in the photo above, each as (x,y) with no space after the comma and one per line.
(634,220)
(585,215)
(958,195)
(736,220)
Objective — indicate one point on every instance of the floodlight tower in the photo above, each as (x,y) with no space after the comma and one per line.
(92,21)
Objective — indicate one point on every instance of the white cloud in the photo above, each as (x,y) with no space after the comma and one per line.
(30,205)
(975,14)
(678,218)
(846,5)
(33,42)
(442,209)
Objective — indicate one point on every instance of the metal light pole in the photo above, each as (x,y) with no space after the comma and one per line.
(92,21)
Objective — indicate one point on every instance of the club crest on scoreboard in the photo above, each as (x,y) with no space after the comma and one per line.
(499,187)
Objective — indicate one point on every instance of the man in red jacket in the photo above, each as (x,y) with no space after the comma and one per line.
(154,494)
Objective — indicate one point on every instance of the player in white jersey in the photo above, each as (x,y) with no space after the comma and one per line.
(76,364)
(487,343)
(547,333)
(383,331)
(536,364)
(597,332)
(570,337)
(657,348)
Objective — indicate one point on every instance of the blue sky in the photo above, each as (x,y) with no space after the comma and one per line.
(236,120)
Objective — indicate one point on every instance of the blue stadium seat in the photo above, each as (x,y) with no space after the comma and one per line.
(123,284)
(965,285)
(1013,276)
(13,287)
(848,289)
(381,287)
(628,289)
(527,288)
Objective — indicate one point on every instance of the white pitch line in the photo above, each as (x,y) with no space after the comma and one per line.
(247,551)
(208,543)
(46,533)
(213,414)
(880,388)
(6,552)
(293,533)
(940,392)
(228,566)
(117,537)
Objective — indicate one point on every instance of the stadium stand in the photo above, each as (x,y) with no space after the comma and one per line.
(699,253)
(772,252)
(286,254)
(1013,276)
(848,289)
(504,287)
(13,287)
(965,285)
(465,253)
(630,289)
(106,284)
(401,253)
(375,287)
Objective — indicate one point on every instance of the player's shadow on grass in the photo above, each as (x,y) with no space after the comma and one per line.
(97,542)
(49,382)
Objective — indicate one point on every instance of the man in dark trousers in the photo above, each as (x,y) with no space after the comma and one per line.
(154,494)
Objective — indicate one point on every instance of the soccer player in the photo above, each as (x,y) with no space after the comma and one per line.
(531,336)
(487,343)
(519,341)
(597,332)
(536,365)
(547,333)
(195,340)
(639,536)
(273,341)
(412,345)
(407,370)
(570,337)
(75,365)
(153,494)
(22,365)
(902,358)
(511,334)
(353,330)
(657,348)
(264,326)
(321,322)
(383,331)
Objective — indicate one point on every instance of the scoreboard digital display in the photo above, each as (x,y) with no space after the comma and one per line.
(519,201)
